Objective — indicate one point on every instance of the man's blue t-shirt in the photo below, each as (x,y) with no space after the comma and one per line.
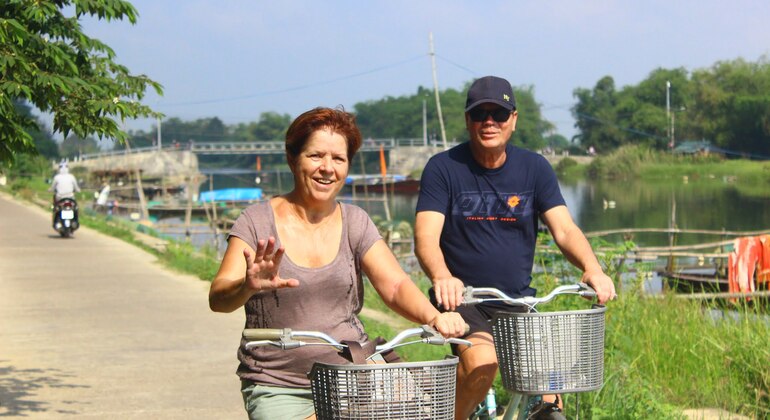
(490,229)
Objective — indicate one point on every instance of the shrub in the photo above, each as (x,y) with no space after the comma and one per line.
(565,164)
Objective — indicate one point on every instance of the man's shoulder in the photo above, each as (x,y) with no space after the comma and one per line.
(522,155)
(460,154)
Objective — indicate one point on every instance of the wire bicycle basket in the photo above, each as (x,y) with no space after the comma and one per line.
(541,352)
(406,390)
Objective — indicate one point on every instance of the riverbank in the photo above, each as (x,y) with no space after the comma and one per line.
(650,165)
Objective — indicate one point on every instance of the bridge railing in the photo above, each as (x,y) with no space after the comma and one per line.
(107,153)
(259,147)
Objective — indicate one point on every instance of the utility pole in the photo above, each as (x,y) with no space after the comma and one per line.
(668,117)
(435,90)
(424,125)
(160,146)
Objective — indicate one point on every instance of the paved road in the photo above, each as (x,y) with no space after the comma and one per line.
(92,327)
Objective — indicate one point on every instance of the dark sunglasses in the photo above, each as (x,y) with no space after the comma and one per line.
(479,114)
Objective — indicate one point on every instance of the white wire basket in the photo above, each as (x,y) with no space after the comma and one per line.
(412,390)
(542,352)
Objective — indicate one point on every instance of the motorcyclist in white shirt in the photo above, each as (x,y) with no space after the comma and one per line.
(64,184)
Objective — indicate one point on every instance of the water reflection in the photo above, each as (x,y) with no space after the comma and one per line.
(706,205)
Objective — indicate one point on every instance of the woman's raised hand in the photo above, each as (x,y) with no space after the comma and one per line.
(262,268)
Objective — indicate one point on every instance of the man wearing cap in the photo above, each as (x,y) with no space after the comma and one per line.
(476,224)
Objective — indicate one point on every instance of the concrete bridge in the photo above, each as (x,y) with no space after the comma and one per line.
(405,156)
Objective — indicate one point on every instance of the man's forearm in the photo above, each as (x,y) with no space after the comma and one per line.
(432,261)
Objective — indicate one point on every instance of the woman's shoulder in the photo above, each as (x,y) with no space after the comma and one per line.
(353,213)
(257,214)
(257,208)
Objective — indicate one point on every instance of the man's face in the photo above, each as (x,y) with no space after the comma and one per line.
(488,133)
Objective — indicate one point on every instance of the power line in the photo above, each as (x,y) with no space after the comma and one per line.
(474,73)
(299,87)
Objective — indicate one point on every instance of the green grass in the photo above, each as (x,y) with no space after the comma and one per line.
(185,258)
(638,162)
(676,352)
(114,227)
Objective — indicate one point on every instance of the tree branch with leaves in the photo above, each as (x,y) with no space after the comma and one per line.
(47,60)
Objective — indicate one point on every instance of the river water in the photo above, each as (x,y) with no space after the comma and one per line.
(709,203)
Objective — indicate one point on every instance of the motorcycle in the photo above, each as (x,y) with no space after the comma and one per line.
(65,217)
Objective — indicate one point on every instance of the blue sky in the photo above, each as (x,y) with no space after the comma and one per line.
(235,59)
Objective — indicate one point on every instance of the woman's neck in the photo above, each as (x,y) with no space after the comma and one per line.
(312,213)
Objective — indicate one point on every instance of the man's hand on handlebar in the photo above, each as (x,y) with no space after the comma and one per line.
(602,284)
(449,292)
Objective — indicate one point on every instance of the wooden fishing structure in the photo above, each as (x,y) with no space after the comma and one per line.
(700,270)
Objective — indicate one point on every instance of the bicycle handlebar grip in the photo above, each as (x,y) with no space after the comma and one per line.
(253,334)
(586,290)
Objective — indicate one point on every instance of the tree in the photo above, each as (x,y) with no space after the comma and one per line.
(734,105)
(74,146)
(557,142)
(44,143)
(530,125)
(271,126)
(402,117)
(47,61)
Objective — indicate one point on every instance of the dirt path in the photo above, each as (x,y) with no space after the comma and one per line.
(93,327)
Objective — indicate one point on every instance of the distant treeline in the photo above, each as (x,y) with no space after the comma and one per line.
(727,104)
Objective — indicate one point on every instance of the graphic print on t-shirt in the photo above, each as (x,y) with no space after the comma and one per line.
(493,206)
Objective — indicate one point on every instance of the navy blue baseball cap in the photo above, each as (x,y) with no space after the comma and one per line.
(490,89)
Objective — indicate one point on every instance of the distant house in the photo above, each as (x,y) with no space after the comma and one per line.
(697,147)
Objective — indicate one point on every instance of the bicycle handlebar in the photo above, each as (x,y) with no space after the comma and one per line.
(284,338)
(473,295)
(287,339)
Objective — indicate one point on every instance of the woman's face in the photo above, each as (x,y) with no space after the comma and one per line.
(321,167)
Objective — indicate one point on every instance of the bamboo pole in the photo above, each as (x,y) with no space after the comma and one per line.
(214,217)
(600,233)
(671,265)
(717,295)
(366,188)
(188,210)
(139,188)
(383,173)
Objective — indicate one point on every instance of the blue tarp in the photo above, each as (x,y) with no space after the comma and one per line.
(231,194)
(372,179)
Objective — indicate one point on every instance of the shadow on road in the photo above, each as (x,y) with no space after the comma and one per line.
(22,391)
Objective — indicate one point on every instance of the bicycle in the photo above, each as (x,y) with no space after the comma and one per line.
(363,390)
(541,353)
